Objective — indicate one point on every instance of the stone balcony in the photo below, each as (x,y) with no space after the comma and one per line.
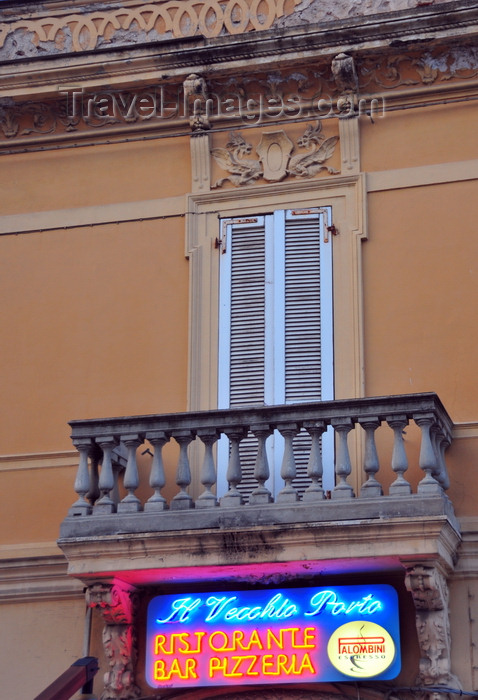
(388,509)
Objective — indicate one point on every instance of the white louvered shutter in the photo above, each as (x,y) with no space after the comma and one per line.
(275,326)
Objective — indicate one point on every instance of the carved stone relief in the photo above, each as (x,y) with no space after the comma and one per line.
(133,22)
(117,607)
(414,69)
(429,589)
(275,161)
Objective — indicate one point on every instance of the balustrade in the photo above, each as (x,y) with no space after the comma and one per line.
(96,482)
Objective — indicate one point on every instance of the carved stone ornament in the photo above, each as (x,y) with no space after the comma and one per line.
(274,151)
(195,101)
(275,161)
(429,589)
(343,70)
(117,26)
(435,65)
(117,606)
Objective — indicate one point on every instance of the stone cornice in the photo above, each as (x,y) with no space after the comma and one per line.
(151,60)
(128,23)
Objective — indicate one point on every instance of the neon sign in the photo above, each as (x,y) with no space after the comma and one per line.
(283,635)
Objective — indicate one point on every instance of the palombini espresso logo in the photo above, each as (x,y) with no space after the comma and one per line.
(361,649)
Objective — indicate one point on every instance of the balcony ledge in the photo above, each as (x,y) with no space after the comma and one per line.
(316,545)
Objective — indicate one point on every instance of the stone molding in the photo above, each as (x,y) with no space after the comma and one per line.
(421,176)
(116,213)
(28,578)
(42,460)
(468,429)
(467,564)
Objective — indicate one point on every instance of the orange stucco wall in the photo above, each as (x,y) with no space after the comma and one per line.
(96,325)
(415,137)
(96,319)
(94,175)
(420,278)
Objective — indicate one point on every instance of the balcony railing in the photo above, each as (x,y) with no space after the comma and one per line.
(100,510)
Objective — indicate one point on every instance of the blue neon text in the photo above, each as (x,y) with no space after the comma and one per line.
(327,601)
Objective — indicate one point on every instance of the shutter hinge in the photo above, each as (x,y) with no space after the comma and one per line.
(220,243)
(330,229)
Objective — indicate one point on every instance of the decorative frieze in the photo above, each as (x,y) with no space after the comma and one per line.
(133,22)
(332,90)
(436,65)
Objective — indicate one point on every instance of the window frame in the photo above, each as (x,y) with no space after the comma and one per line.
(346,196)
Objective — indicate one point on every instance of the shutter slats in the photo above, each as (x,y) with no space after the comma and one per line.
(247,315)
(302,326)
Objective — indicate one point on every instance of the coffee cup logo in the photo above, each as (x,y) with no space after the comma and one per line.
(361,649)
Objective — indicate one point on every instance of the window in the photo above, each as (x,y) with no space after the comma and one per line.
(344,200)
(275,325)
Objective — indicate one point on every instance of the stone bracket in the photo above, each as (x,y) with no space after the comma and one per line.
(117,605)
(429,589)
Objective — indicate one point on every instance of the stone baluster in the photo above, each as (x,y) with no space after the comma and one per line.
(261,494)
(428,461)
(443,444)
(182,500)
(131,503)
(371,488)
(315,470)
(117,471)
(106,483)
(343,467)
(94,491)
(234,497)
(157,479)
(208,471)
(288,469)
(400,486)
(440,443)
(82,481)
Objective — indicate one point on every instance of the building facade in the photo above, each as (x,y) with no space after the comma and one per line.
(240,423)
